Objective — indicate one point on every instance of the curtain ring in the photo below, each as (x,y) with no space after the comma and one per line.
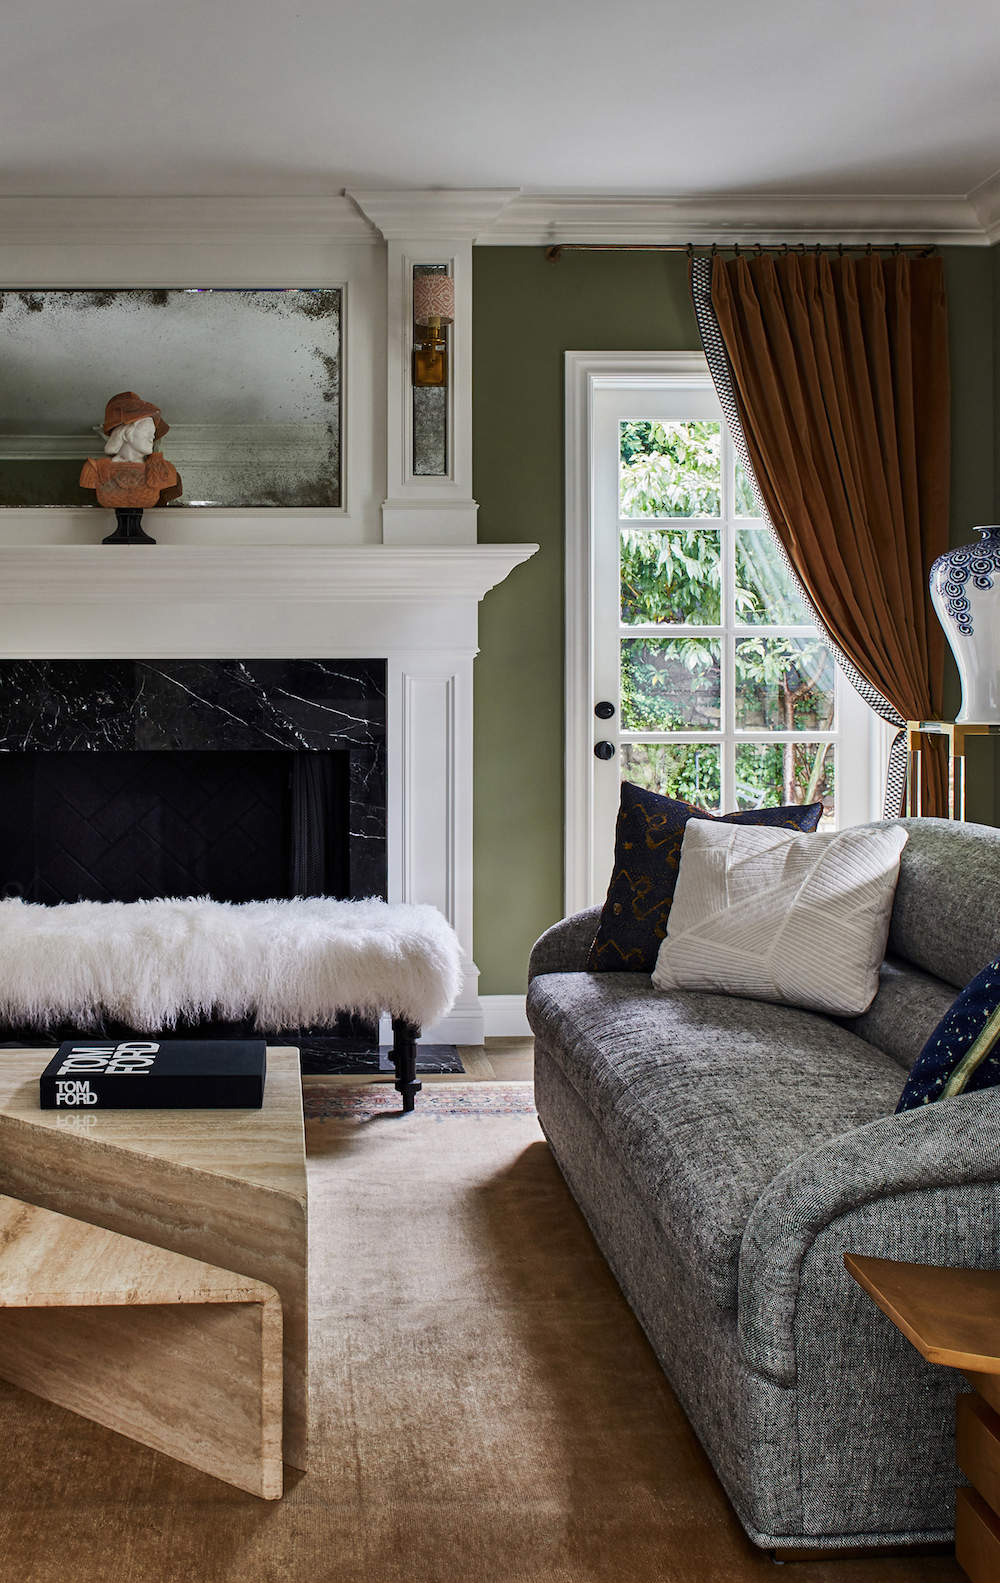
(690,250)
(757,250)
(840,249)
(736,249)
(784,249)
(868,250)
(714,249)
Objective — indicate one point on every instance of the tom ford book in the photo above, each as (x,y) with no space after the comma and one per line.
(177,1074)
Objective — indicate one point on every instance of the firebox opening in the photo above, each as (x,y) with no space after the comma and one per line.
(133,826)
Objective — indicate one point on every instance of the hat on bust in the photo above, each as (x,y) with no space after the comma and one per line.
(127,407)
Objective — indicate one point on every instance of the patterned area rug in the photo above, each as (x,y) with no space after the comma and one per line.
(368,1101)
(485,1407)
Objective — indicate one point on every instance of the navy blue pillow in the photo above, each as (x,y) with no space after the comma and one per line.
(963,1052)
(648,840)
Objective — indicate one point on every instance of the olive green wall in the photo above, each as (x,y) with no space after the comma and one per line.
(969,283)
(527,314)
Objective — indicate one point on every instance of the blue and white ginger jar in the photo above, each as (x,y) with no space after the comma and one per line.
(965,590)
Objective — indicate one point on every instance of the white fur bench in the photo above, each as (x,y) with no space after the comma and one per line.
(286,964)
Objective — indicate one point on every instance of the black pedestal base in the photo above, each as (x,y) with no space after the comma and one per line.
(404,1059)
(129,529)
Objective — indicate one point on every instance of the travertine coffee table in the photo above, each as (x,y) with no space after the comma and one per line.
(225,1187)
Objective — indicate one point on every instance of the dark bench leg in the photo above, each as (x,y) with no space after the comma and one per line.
(404,1059)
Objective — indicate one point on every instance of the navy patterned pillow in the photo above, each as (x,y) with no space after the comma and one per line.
(648,840)
(963,1052)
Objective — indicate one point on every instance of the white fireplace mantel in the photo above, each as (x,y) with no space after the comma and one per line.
(87,573)
(416,606)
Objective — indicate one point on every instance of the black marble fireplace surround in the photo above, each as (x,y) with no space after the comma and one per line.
(242,779)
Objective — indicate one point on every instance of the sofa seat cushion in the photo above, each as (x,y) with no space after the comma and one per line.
(706,1097)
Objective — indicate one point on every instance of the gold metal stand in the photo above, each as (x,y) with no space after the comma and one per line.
(956,735)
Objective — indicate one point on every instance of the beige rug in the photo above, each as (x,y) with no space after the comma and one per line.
(486,1408)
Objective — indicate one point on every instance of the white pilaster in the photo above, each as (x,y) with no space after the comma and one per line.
(429,228)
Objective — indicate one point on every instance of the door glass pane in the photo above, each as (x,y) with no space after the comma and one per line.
(746,505)
(786,773)
(671,469)
(784,684)
(671,574)
(689,770)
(765,594)
(671,684)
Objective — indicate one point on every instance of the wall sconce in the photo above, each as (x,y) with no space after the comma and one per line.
(433,308)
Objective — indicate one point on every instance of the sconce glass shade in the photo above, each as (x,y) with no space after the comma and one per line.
(433,299)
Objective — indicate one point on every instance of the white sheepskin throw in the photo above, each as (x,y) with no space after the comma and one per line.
(287,964)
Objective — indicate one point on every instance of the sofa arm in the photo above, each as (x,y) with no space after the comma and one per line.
(950,1145)
(566,946)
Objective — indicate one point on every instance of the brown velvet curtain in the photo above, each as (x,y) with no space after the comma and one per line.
(840,369)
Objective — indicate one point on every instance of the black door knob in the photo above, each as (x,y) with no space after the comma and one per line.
(604,710)
(604,750)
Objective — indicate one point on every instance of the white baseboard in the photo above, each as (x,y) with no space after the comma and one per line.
(504,1016)
(495,1017)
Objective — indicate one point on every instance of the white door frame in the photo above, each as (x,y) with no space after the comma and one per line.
(585,373)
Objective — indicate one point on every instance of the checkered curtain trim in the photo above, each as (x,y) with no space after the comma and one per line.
(722,378)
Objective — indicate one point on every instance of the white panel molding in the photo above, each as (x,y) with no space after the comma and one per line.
(429,766)
(531,219)
(438,509)
(985,199)
(429,227)
(430,840)
(455,213)
(586,372)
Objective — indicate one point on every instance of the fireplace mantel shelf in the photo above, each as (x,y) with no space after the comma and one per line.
(56,574)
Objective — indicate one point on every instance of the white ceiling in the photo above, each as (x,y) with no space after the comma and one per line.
(246,97)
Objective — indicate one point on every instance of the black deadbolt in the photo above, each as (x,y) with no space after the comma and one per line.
(604,711)
(604,750)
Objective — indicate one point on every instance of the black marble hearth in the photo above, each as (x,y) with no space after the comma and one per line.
(242,779)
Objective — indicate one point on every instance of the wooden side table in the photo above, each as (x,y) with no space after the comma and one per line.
(955,736)
(952,1316)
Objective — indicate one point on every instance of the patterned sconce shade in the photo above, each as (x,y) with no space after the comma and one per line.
(433,298)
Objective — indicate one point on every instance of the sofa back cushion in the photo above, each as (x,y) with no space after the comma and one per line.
(648,839)
(946,914)
(907,1008)
(799,919)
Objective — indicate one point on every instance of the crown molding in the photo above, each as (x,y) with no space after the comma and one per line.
(532,219)
(456,214)
(504,217)
(138,221)
(985,199)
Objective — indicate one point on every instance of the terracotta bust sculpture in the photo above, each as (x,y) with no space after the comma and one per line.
(131,474)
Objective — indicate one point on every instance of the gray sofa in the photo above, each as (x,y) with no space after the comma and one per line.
(727,1153)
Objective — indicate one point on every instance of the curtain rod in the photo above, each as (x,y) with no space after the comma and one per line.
(555,250)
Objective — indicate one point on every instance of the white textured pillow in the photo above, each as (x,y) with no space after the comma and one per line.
(774,915)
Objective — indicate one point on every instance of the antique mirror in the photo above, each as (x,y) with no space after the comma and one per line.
(248,380)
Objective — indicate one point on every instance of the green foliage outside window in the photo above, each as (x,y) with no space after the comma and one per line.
(673,576)
(671,469)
